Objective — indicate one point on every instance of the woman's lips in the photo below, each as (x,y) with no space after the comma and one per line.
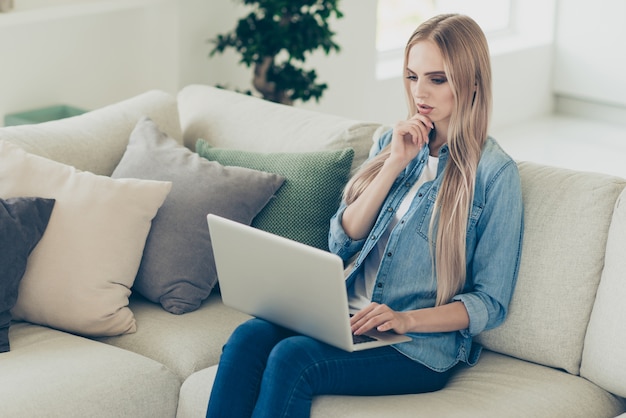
(424,109)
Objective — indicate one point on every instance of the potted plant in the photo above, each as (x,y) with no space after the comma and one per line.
(275,38)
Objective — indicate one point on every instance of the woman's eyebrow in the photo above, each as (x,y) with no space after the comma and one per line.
(430,73)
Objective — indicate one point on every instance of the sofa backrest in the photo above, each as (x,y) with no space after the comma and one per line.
(231,120)
(567,217)
(604,354)
(95,141)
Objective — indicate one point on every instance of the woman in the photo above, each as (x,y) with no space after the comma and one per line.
(422,266)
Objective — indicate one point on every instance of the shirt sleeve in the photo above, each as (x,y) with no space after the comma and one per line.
(338,241)
(497,253)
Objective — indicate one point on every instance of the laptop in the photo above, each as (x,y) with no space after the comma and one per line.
(291,284)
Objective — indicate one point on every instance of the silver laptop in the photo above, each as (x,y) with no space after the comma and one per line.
(288,283)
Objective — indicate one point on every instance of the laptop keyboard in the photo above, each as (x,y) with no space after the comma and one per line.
(359,339)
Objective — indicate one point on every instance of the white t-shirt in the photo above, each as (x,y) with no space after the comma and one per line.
(360,293)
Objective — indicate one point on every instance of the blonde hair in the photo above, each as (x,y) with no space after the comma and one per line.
(468,69)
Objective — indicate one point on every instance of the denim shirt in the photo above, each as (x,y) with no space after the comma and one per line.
(405,277)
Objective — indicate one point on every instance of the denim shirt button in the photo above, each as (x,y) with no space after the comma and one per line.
(389,254)
(379,285)
(408,184)
(389,209)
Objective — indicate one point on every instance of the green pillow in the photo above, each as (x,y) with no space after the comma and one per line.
(309,196)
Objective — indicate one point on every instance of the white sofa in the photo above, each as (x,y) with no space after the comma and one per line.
(560,353)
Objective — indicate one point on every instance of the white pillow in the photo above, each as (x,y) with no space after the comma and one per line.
(78,277)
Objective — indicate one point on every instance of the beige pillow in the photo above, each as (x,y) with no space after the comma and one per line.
(566,222)
(78,277)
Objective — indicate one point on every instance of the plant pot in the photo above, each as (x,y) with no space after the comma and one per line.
(6,6)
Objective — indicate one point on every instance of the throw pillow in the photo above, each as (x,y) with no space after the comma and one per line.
(79,276)
(310,196)
(23,221)
(177,269)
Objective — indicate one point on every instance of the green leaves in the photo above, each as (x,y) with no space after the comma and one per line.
(284,30)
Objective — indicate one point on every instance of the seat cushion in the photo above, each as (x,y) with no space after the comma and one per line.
(498,386)
(62,375)
(184,343)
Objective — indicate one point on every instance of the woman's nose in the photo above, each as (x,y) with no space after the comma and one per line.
(418,89)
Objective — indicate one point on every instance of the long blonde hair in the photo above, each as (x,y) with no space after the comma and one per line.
(468,69)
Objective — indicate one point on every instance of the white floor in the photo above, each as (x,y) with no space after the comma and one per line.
(568,142)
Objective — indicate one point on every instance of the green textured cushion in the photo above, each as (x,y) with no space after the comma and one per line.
(309,196)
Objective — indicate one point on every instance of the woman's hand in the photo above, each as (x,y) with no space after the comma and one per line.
(452,316)
(407,140)
(380,317)
(409,137)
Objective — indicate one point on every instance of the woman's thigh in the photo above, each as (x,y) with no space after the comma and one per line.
(329,370)
(300,368)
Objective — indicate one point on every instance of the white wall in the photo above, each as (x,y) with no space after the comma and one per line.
(86,53)
(590,59)
(522,66)
(89,53)
(590,53)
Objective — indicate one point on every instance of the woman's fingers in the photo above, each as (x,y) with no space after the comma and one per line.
(417,129)
(370,317)
(380,317)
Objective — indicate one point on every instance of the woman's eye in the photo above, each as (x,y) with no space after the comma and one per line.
(439,80)
(411,77)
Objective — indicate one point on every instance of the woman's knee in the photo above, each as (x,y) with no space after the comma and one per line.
(295,358)
(253,334)
(256,335)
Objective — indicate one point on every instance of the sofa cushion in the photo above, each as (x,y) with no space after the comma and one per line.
(498,386)
(177,269)
(184,343)
(231,120)
(604,356)
(567,216)
(310,196)
(54,374)
(95,141)
(23,221)
(79,276)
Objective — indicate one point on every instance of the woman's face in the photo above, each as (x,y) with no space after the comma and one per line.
(427,82)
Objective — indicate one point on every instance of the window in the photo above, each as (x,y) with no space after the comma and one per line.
(397,19)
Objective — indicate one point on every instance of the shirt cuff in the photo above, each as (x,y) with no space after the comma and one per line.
(477,312)
(339,242)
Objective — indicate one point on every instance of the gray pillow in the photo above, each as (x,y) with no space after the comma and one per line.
(23,221)
(177,269)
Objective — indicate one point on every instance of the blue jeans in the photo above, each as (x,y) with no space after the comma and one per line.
(268,371)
